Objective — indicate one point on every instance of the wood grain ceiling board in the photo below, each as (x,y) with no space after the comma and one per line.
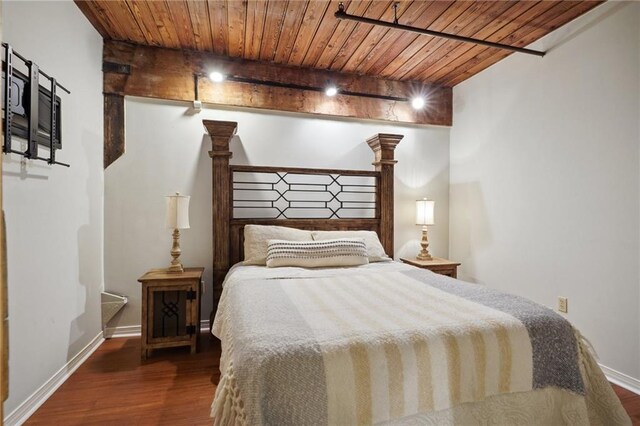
(469,24)
(219,26)
(146,21)
(272,29)
(543,24)
(343,31)
(313,17)
(293,17)
(199,15)
(182,21)
(389,49)
(305,33)
(366,34)
(449,15)
(381,39)
(164,22)
(440,67)
(323,34)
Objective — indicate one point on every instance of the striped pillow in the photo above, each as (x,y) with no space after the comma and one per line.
(317,254)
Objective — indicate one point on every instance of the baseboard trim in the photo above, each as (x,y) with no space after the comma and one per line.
(36,399)
(624,381)
(122,331)
(134,330)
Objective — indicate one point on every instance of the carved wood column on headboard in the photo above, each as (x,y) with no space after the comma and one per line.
(383,145)
(220,133)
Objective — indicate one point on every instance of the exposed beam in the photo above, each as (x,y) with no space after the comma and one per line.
(113,128)
(169,74)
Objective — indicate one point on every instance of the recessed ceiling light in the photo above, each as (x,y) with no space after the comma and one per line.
(216,77)
(417,102)
(331,91)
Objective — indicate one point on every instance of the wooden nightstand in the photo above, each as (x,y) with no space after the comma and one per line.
(170,309)
(437,265)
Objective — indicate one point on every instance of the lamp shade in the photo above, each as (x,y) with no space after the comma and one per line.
(177,211)
(424,212)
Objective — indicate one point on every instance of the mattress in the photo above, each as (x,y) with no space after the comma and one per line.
(388,343)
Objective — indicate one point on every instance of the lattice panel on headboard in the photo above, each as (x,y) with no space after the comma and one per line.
(302,194)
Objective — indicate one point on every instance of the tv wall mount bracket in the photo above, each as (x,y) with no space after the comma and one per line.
(32,90)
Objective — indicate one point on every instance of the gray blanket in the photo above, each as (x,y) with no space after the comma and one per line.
(382,343)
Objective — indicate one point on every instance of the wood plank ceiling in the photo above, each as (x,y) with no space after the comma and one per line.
(305,33)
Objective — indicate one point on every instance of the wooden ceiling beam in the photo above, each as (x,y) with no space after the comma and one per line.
(113,147)
(169,74)
(154,72)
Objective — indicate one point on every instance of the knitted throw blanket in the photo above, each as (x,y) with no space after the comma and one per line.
(375,345)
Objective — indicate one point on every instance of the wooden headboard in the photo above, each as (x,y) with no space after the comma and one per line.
(228,224)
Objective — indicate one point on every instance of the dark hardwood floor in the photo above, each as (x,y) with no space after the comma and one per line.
(115,387)
(631,403)
(172,387)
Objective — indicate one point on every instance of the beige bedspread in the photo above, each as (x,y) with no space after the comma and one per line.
(392,344)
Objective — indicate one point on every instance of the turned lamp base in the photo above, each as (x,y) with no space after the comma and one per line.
(175,269)
(176,266)
(424,243)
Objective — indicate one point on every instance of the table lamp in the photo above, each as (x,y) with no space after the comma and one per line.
(424,217)
(177,218)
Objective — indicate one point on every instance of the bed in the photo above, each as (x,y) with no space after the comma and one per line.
(384,342)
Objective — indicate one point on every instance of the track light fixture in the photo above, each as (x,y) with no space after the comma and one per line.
(418,102)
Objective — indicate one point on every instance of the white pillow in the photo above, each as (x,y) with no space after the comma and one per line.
(317,254)
(256,238)
(375,251)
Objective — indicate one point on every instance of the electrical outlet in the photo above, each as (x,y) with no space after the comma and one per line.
(563,304)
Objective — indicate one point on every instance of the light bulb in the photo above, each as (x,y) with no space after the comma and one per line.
(216,77)
(417,102)
(331,91)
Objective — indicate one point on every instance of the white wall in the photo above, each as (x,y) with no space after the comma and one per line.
(545,177)
(166,151)
(54,214)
